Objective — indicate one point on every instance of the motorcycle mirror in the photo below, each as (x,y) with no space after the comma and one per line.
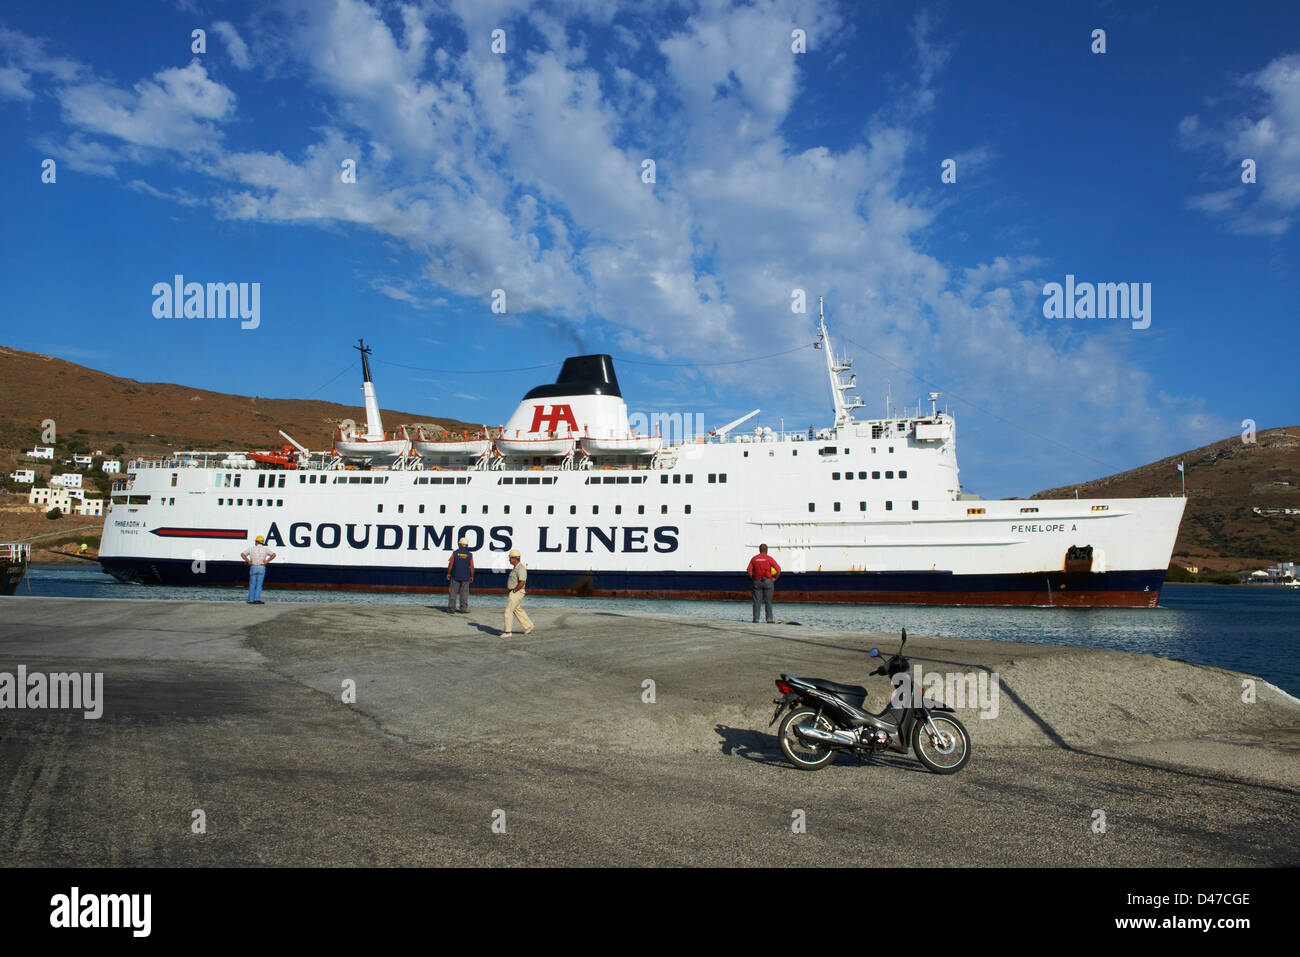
(875,652)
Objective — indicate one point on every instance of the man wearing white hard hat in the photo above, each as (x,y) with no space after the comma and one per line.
(515,594)
(256,558)
(460,572)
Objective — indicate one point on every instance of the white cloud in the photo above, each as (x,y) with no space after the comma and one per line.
(1268,132)
(176,110)
(235,45)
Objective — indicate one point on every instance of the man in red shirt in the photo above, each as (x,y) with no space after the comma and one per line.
(764,571)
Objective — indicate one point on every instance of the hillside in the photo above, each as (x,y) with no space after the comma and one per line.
(100,410)
(1225,481)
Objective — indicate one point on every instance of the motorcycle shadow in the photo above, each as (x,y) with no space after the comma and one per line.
(766,749)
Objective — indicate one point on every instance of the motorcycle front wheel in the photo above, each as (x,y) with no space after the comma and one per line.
(804,756)
(950,752)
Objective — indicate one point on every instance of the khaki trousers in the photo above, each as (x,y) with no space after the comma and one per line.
(512,609)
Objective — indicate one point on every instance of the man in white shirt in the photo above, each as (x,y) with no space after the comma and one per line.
(515,594)
(256,559)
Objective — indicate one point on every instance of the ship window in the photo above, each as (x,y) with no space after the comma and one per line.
(239,502)
(837,506)
(902,474)
(875,475)
(663,480)
(889,506)
(1024,511)
(812,507)
(221,501)
(464,509)
(722,476)
(677,480)
(663,509)
(873,450)
(528,510)
(876,432)
(1101,508)
(848,475)
(485,508)
(421,508)
(505,509)
(640,509)
(174,477)
(891,450)
(302,479)
(462,481)
(916,506)
(688,510)
(379,507)
(281,482)
(442,509)
(746,453)
(401,509)
(622,480)
(259,502)
(505,481)
(618,509)
(690,479)
(974,511)
(573,510)
(792,452)
(550,510)
(889,475)
(827,450)
(862,475)
(862,506)
(595,510)
(713,477)
(261,481)
(835,476)
(237,478)
(545,481)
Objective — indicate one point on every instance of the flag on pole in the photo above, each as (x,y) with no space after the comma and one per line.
(1180,466)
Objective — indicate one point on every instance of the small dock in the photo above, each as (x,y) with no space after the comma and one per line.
(338,734)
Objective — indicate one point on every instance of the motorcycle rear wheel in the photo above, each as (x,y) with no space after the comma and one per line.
(805,757)
(949,755)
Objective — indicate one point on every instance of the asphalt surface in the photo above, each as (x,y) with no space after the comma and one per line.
(463,748)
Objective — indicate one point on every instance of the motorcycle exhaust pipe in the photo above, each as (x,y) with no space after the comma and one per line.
(819,736)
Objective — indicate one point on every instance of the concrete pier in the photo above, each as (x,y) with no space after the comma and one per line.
(313,734)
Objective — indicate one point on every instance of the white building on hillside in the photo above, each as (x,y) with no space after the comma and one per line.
(110,465)
(68,480)
(91,506)
(41,452)
(23,475)
(60,498)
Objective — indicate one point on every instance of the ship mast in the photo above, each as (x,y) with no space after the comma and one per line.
(843,407)
(374,424)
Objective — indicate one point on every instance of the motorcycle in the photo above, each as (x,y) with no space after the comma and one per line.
(826,718)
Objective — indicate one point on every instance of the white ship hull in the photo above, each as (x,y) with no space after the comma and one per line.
(866,511)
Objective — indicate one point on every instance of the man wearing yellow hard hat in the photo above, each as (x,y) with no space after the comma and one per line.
(256,559)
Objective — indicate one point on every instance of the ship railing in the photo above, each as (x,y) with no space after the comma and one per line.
(16,553)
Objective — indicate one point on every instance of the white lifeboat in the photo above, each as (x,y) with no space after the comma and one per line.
(622,445)
(547,445)
(461,445)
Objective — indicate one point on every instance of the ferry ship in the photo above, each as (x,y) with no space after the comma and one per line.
(861,511)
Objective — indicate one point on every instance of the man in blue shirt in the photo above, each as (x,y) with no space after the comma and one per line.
(460,572)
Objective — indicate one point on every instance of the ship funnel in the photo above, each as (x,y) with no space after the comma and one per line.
(374,424)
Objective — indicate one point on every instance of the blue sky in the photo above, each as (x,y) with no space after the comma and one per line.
(522,170)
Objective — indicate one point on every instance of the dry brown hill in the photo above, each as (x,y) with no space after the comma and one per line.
(102,410)
(1225,481)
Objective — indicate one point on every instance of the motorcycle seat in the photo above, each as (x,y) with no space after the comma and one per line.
(856,695)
